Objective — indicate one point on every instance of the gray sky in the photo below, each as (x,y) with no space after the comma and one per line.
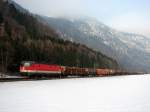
(124,15)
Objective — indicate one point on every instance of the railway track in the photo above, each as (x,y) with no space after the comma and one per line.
(51,78)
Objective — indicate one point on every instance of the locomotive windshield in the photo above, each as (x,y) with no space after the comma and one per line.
(27,63)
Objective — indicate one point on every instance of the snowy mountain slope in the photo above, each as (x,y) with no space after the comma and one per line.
(130,50)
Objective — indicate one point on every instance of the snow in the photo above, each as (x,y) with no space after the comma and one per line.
(106,42)
(108,94)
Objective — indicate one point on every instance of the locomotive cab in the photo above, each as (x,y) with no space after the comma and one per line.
(25,65)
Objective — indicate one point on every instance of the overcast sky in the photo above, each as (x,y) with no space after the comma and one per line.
(124,15)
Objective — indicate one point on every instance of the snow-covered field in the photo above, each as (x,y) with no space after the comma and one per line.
(108,94)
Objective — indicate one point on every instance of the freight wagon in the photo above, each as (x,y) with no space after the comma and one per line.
(75,71)
(104,72)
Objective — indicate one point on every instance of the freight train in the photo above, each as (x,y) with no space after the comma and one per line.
(34,69)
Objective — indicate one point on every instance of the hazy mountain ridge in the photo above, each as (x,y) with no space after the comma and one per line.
(132,51)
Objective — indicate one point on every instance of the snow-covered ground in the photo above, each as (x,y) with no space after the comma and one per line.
(107,94)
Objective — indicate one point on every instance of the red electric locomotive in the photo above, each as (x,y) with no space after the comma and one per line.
(39,69)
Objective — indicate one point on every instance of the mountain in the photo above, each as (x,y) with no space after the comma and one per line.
(131,51)
(23,37)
